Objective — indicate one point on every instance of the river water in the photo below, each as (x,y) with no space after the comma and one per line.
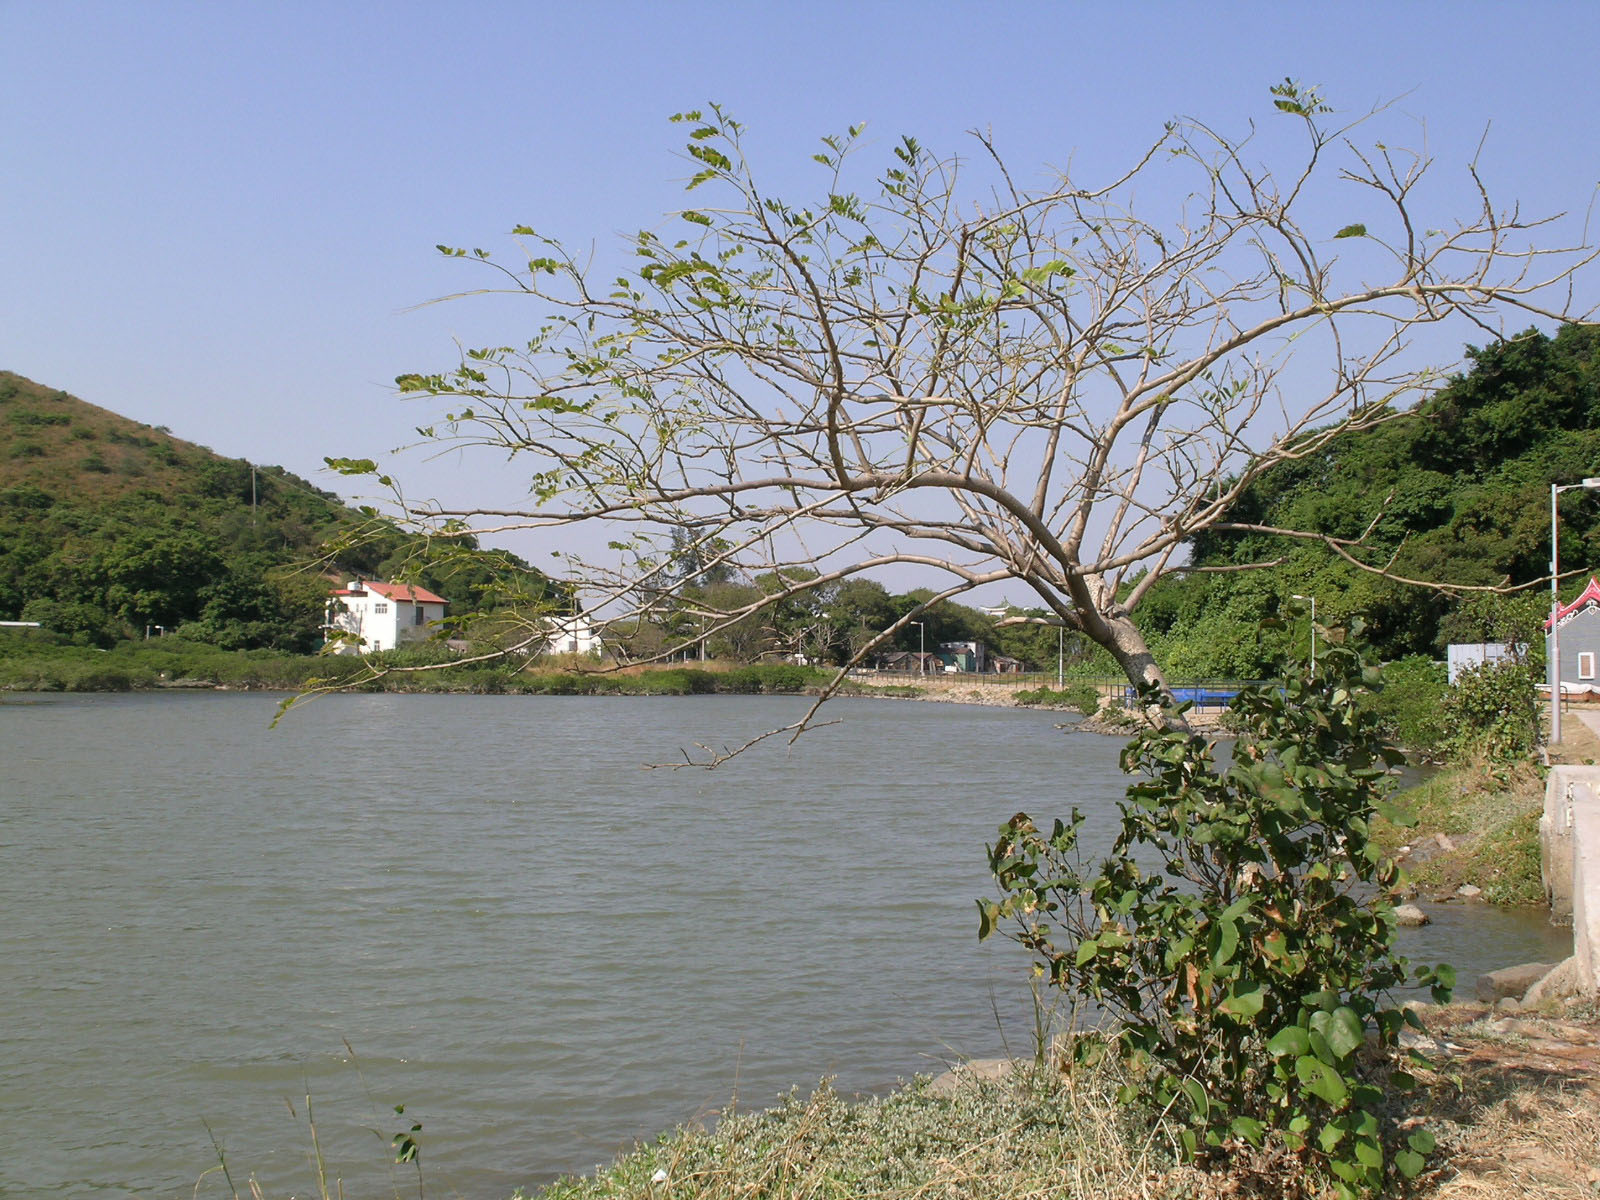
(486,909)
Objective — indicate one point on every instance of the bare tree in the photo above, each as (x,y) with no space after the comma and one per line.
(1047,386)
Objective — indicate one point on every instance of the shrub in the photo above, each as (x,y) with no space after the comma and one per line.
(1411,702)
(677,681)
(1247,976)
(1085,697)
(1492,712)
(100,679)
(781,677)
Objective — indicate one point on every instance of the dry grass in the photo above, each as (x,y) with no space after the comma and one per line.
(1518,1113)
(68,447)
(1578,743)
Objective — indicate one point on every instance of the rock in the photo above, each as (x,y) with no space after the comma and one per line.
(1429,1047)
(1510,981)
(1409,916)
(1508,1004)
(1444,843)
(1512,1028)
(1561,981)
(1468,892)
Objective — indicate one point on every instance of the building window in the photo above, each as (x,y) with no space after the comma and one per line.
(417,618)
(380,608)
(1586,665)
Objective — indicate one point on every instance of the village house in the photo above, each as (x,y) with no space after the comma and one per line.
(1466,656)
(908,661)
(366,616)
(573,635)
(964,656)
(1578,624)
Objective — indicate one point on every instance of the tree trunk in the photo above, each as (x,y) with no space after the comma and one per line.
(1119,635)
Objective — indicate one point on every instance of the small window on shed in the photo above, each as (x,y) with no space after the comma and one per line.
(1586,664)
(380,608)
(417,619)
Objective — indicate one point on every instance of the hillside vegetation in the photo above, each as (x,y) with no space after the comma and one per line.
(109,527)
(1455,491)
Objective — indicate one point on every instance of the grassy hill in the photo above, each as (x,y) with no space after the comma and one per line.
(109,526)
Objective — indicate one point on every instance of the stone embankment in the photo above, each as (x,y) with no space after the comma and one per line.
(1110,720)
(964,691)
(1569,835)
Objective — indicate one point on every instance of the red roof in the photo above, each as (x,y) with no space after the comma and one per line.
(395,591)
(1589,595)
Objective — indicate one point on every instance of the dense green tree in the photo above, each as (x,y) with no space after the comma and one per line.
(1454,492)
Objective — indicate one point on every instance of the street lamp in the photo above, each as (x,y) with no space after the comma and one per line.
(1554,647)
(922,648)
(1313,599)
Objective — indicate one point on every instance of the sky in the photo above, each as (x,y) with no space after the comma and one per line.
(221,217)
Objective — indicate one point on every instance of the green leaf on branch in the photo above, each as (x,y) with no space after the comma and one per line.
(1292,1040)
(1321,1080)
(1246,999)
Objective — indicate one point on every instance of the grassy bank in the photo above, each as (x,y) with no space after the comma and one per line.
(35,665)
(1508,1125)
(1033,1135)
(1474,825)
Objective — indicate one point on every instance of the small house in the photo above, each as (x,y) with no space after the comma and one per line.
(365,616)
(575,634)
(964,656)
(909,661)
(1578,651)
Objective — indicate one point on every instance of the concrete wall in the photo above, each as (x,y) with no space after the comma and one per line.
(1569,834)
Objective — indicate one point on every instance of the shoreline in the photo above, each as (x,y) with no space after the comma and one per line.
(931,691)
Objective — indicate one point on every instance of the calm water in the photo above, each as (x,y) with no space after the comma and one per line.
(541,949)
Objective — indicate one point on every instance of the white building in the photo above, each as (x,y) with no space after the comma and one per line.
(1463,656)
(573,635)
(381,615)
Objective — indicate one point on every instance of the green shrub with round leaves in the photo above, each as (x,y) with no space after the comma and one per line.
(1239,936)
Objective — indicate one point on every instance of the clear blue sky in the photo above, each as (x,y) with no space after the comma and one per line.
(219,217)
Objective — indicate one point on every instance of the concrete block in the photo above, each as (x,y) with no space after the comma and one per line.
(1557,985)
(1585,810)
(1555,834)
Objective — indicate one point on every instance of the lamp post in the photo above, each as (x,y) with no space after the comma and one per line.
(1554,647)
(1060,662)
(1313,599)
(922,647)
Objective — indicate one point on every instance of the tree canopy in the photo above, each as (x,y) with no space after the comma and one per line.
(932,365)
